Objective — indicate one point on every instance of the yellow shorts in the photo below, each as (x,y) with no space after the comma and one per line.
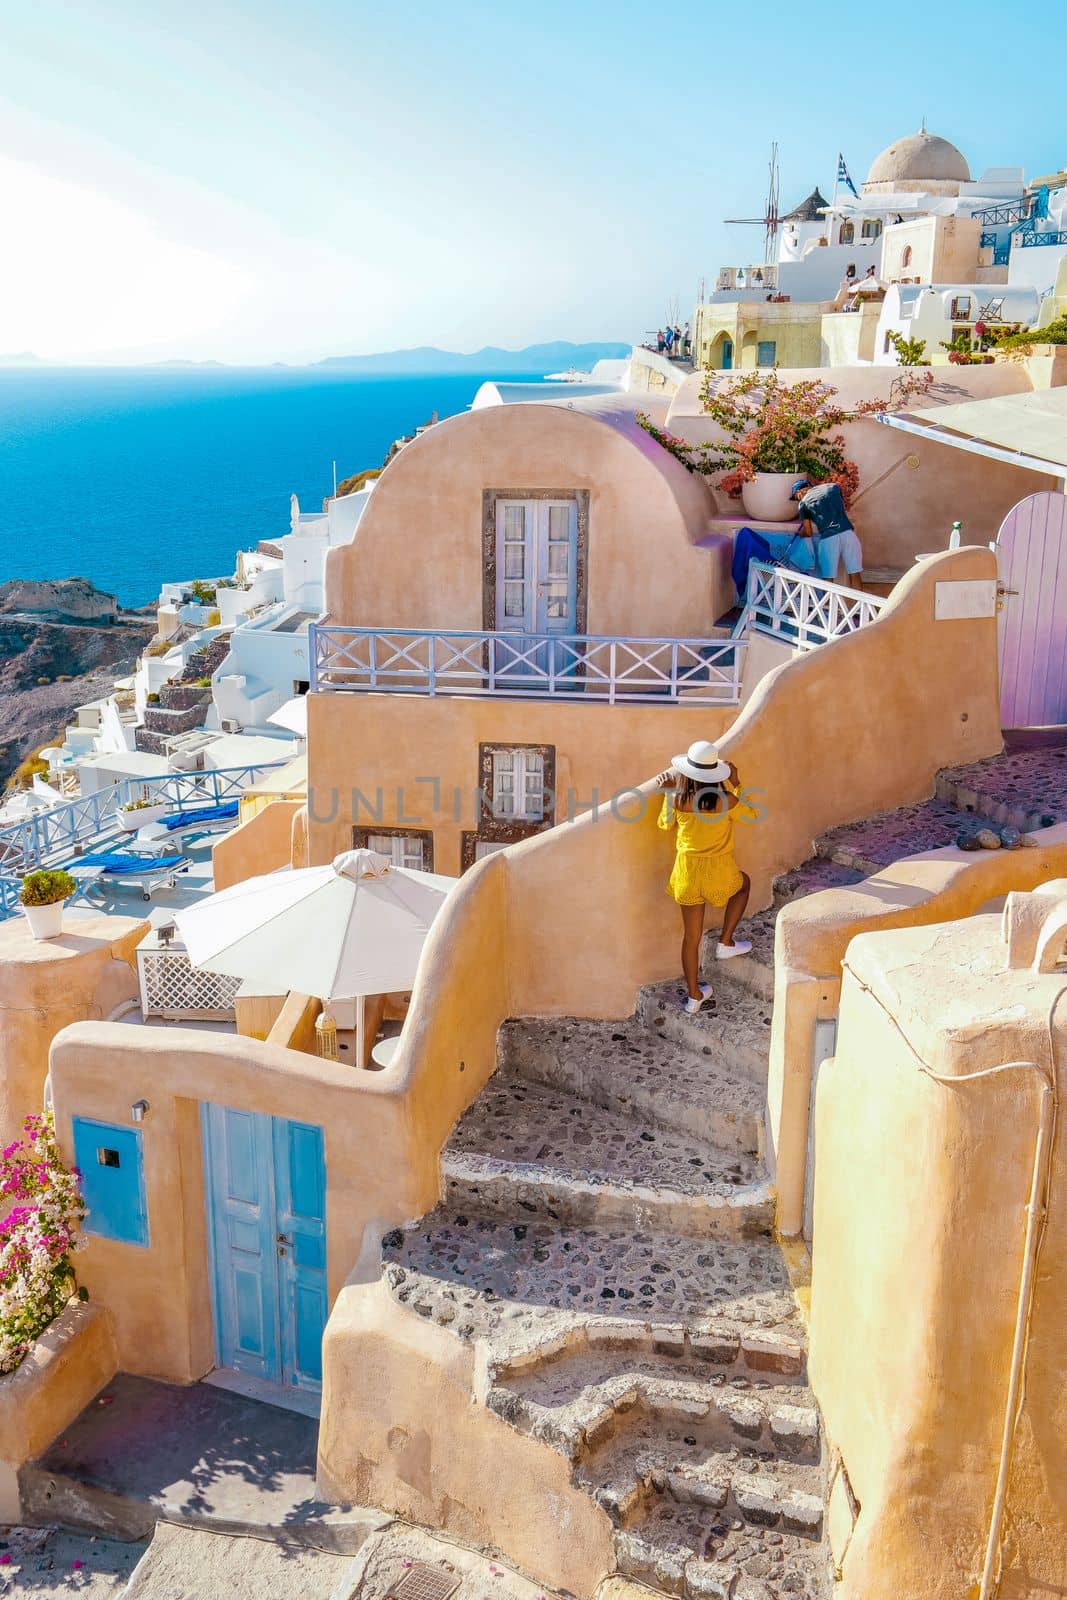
(708,880)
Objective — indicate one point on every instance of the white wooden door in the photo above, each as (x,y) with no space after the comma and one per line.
(1032,619)
(537,578)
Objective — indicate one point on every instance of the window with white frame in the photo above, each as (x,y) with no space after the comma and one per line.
(518,793)
(488,847)
(402,849)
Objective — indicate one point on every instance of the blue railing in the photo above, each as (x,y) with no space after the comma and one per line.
(49,838)
(1000,246)
(1009,213)
(1030,236)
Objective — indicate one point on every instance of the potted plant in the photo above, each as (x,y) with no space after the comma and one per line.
(134,814)
(772,433)
(42,897)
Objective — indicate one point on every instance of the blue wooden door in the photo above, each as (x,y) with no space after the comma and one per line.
(300,1210)
(266,1201)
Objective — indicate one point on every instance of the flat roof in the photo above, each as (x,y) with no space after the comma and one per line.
(1027,430)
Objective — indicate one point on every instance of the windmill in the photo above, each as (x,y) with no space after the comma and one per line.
(770,220)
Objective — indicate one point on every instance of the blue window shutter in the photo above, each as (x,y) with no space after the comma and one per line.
(111,1161)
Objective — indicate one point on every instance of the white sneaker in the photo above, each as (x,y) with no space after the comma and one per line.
(691,1006)
(706,990)
(740,947)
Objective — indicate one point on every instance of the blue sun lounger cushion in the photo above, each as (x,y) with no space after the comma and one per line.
(116,863)
(184,819)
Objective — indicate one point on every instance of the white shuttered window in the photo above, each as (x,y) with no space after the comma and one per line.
(518,785)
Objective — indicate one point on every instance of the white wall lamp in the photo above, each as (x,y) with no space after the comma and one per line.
(138,1109)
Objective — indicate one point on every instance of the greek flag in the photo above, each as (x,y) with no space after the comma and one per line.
(843,177)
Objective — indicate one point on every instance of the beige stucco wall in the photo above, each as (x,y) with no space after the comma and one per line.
(911,490)
(370,751)
(66,1367)
(793,326)
(848,337)
(416,561)
(85,973)
(943,250)
(405,1390)
(811,937)
(261,843)
(920,1209)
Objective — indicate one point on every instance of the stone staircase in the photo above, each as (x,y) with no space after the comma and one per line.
(604,1238)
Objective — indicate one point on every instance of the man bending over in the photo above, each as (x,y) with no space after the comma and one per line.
(825,520)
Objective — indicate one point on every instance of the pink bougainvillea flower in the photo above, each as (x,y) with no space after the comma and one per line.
(77,1565)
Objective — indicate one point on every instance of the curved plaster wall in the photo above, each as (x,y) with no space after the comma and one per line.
(417,559)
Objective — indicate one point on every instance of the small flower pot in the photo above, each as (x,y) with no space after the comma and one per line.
(46,922)
(141,817)
(766,497)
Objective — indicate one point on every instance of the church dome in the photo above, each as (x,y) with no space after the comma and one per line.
(920,158)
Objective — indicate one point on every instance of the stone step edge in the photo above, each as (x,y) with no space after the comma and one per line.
(733,1212)
(973,803)
(745,972)
(793,1430)
(728,1350)
(670,1021)
(755,1498)
(743,1126)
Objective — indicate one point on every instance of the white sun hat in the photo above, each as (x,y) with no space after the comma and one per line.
(701,762)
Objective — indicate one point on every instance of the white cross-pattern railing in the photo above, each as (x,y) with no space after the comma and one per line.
(805,611)
(518,665)
(172,988)
(48,838)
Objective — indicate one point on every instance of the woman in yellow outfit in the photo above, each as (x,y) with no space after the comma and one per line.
(705,795)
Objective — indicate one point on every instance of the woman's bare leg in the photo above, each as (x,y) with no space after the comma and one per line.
(692,933)
(735,910)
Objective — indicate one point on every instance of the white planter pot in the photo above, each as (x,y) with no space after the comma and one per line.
(132,820)
(46,922)
(766,497)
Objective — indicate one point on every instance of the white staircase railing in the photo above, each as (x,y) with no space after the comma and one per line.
(803,611)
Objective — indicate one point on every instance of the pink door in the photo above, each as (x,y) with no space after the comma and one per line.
(1032,568)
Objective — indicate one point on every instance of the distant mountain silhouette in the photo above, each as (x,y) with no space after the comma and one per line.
(556,356)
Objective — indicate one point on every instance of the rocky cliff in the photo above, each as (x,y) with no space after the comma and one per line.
(62,642)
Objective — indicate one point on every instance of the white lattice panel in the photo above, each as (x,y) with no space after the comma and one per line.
(172,987)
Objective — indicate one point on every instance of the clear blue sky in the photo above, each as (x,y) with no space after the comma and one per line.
(289,180)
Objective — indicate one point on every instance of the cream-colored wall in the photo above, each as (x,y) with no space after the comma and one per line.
(260,843)
(920,1209)
(64,1369)
(943,250)
(792,325)
(417,559)
(848,337)
(159,1296)
(370,751)
(404,1388)
(911,490)
(85,973)
(811,937)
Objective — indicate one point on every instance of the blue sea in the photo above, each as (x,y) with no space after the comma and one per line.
(133,477)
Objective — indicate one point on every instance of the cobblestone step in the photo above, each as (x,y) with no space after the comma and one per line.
(708,1553)
(754,972)
(1026,789)
(811,877)
(880,840)
(577,1405)
(629,1068)
(734,1034)
(526,1151)
(528,1289)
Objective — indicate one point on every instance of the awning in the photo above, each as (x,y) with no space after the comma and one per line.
(1026,430)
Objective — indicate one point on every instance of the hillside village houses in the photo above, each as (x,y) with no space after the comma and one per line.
(700,1288)
(919,219)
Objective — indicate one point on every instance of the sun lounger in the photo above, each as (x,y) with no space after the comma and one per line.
(145,872)
(191,823)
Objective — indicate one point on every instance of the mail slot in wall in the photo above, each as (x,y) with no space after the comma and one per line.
(111,1161)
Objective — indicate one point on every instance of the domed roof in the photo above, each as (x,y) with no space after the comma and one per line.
(920,156)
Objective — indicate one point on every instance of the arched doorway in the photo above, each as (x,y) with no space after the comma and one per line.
(721,355)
